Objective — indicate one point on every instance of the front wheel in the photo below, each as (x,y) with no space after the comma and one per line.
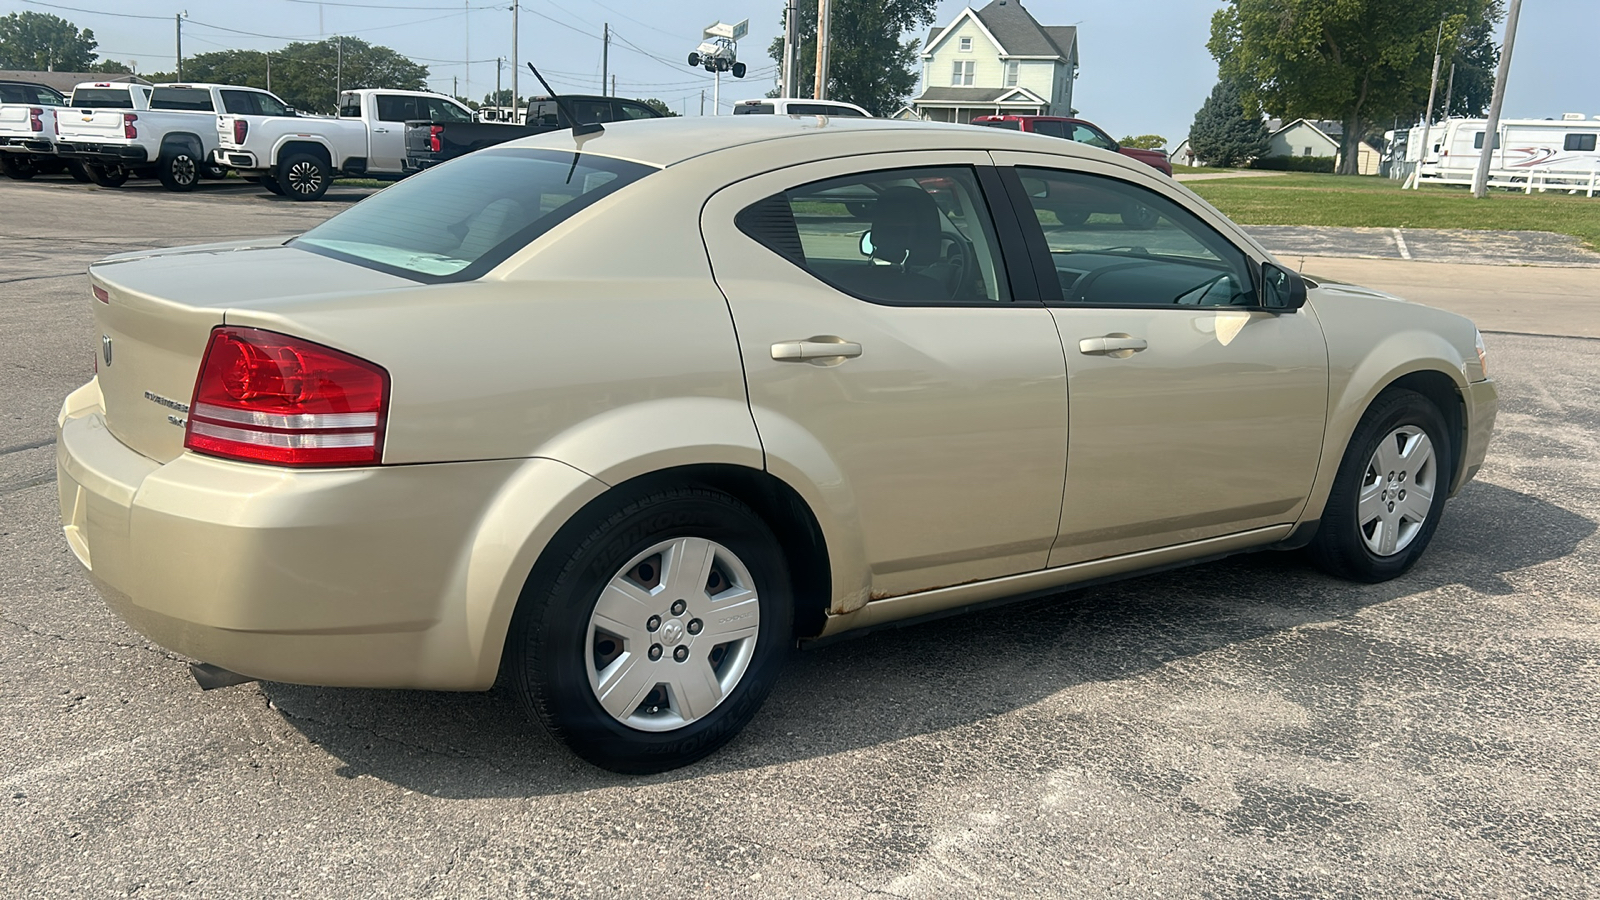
(656,637)
(79,172)
(1389,492)
(19,167)
(304,177)
(179,171)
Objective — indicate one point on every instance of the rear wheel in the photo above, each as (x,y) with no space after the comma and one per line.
(303,177)
(179,170)
(19,167)
(656,637)
(78,172)
(271,184)
(107,176)
(1389,492)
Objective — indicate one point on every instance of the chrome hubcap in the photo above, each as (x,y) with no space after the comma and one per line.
(1397,491)
(183,170)
(304,178)
(672,634)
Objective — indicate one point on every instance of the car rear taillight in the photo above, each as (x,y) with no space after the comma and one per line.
(35,123)
(240,129)
(434,143)
(129,131)
(271,398)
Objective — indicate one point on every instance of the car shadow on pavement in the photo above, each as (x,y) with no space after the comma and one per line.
(900,683)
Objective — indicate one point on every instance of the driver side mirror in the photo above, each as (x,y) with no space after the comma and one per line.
(866,243)
(1281,289)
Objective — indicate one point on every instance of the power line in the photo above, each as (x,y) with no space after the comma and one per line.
(97,12)
(387,6)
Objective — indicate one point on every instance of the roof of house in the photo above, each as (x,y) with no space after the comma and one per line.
(976,95)
(1330,129)
(1019,33)
(65,81)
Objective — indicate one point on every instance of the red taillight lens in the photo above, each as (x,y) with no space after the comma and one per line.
(240,129)
(34,122)
(100,293)
(434,143)
(270,398)
(128,130)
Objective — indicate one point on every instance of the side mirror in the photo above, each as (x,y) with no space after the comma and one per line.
(866,243)
(290,111)
(1281,289)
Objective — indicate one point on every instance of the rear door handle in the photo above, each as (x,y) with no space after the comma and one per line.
(820,350)
(1119,345)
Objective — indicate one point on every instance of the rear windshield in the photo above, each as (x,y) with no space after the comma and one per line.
(1009,124)
(193,99)
(102,98)
(458,221)
(753,109)
(821,109)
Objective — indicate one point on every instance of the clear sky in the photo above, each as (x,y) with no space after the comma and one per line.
(1145,66)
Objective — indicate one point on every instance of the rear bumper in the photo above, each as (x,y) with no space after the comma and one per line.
(350,577)
(1482,402)
(418,163)
(113,154)
(237,159)
(27,145)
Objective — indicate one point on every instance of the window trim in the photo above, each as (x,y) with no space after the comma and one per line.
(1011,255)
(964,44)
(1044,268)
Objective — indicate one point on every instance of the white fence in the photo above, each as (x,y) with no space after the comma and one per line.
(1528,180)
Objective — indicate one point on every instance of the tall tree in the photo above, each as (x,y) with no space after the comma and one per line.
(305,74)
(868,62)
(660,106)
(1226,132)
(1476,56)
(1358,61)
(40,41)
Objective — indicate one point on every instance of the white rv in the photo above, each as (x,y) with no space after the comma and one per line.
(1561,152)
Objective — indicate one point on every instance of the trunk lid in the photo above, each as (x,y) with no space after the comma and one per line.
(158,314)
(91,123)
(14,120)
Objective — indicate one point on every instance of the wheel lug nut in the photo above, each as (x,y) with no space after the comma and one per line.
(652,623)
(1391,507)
(655,652)
(678,606)
(680,654)
(695,625)
(1402,495)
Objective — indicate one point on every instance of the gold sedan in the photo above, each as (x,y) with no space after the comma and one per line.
(625,416)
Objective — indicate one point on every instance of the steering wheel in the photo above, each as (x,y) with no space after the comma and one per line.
(955,253)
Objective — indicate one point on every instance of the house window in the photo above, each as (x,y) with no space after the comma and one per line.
(1011,73)
(962,75)
(1581,142)
(1306,151)
(966,45)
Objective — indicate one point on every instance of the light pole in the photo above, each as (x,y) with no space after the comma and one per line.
(790,17)
(822,49)
(1491,129)
(515,61)
(1427,117)
(179,20)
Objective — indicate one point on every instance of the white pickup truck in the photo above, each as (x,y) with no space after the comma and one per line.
(28,129)
(170,132)
(299,156)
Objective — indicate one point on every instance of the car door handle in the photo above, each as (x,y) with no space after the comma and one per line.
(380,131)
(1112,345)
(820,349)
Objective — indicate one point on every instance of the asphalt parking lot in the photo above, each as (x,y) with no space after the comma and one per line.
(1247,728)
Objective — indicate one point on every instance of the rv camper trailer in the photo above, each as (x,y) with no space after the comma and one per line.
(1561,152)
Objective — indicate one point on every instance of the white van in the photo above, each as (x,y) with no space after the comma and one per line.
(796,106)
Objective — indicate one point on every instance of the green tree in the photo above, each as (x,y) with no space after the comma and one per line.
(869,64)
(659,106)
(1357,61)
(40,41)
(1225,131)
(110,67)
(1144,142)
(1476,56)
(305,74)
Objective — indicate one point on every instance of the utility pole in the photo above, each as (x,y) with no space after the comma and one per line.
(821,92)
(338,69)
(497,61)
(1427,117)
(702,101)
(790,16)
(466,42)
(269,74)
(516,62)
(1449,91)
(1491,130)
(179,20)
(605,57)
(613,85)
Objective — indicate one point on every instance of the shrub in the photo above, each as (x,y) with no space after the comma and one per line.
(1294,163)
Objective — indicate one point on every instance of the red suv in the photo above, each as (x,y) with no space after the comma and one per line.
(1075,130)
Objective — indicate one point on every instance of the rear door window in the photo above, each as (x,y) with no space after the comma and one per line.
(186,99)
(636,111)
(441,110)
(1083,134)
(398,108)
(1050,129)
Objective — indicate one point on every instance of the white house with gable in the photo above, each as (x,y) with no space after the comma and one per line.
(994,61)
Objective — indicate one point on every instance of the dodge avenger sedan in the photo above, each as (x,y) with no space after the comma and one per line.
(621,418)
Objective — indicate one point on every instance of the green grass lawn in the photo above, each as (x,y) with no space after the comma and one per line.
(1356,202)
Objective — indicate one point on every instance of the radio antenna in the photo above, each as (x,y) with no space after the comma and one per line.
(579,129)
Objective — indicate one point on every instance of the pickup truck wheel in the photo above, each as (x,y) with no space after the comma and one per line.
(304,177)
(270,183)
(179,171)
(21,168)
(79,172)
(107,176)
(213,172)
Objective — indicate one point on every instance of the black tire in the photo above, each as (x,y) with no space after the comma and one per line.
(213,172)
(16,166)
(551,653)
(1342,544)
(179,170)
(739,70)
(271,184)
(694,60)
(303,177)
(79,172)
(107,176)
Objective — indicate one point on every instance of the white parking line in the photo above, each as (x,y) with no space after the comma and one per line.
(1400,241)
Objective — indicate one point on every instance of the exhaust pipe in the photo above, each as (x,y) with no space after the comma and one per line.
(211,677)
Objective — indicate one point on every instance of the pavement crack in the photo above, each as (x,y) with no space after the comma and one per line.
(11,487)
(123,645)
